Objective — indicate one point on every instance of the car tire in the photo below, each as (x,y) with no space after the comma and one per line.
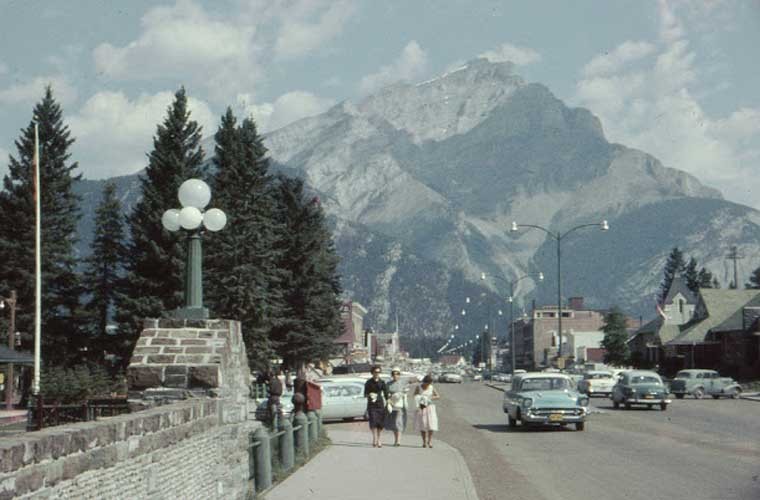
(511,421)
(628,406)
(615,404)
(736,394)
(680,396)
(580,426)
(663,406)
(715,396)
(698,393)
(649,407)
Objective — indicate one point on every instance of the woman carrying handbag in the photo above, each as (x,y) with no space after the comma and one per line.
(426,418)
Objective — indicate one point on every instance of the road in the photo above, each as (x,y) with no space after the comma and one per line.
(696,450)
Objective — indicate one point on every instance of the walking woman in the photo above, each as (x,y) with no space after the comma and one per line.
(376,393)
(395,419)
(426,418)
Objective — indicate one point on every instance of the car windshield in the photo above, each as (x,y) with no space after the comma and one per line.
(683,375)
(598,375)
(544,384)
(644,379)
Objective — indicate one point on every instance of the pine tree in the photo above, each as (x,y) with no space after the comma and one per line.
(103,271)
(243,280)
(615,338)
(312,292)
(61,338)
(705,279)
(674,266)
(691,274)
(754,280)
(155,267)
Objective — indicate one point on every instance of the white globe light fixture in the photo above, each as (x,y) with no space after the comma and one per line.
(194,195)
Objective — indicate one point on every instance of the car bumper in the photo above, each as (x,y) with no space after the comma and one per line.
(642,401)
(599,392)
(533,418)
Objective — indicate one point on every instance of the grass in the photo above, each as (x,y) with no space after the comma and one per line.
(279,474)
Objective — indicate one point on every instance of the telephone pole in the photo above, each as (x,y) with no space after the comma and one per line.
(733,254)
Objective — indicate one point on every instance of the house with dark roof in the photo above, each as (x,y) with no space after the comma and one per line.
(719,334)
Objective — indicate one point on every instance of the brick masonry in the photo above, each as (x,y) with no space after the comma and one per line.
(191,448)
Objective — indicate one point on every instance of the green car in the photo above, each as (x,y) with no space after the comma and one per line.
(700,383)
(547,399)
(640,387)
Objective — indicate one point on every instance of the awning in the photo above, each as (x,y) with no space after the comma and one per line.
(15,357)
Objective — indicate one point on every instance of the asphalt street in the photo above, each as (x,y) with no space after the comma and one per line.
(696,450)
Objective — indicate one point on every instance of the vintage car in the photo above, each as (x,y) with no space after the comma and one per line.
(545,398)
(451,378)
(640,387)
(340,400)
(700,383)
(597,382)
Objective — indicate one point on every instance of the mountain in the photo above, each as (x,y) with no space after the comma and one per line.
(423,181)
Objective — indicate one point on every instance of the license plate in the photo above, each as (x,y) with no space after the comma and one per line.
(648,396)
(555,417)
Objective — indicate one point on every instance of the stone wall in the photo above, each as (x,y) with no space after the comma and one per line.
(196,446)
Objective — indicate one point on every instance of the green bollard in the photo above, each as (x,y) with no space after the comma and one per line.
(287,449)
(302,434)
(263,457)
(319,422)
(313,432)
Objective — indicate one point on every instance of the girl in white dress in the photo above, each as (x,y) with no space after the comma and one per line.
(426,418)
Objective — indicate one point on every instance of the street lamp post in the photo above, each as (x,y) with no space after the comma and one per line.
(9,382)
(511,300)
(558,236)
(194,195)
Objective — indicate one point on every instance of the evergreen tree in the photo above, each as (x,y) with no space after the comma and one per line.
(103,273)
(705,279)
(754,280)
(615,338)
(243,277)
(674,266)
(715,283)
(155,264)
(61,339)
(692,275)
(312,290)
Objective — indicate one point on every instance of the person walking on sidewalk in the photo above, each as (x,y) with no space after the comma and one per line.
(376,393)
(426,418)
(395,419)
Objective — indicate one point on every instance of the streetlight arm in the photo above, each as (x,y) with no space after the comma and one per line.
(553,235)
(576,228)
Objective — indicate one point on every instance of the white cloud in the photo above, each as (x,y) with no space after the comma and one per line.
(31,91)
(113,133)
(285,109)
(186,42)
(300,35)
(653,106)
(411,64)
(613,61)
(520,56)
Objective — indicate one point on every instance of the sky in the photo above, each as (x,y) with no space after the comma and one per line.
(677,79)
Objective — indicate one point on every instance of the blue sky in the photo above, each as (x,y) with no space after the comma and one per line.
(677,79)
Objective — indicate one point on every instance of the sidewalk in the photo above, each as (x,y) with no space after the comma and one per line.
(350,469)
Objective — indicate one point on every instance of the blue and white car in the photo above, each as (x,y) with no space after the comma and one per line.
(547,399)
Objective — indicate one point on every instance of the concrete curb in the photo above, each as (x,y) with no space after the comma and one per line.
(755,396)
(495,387)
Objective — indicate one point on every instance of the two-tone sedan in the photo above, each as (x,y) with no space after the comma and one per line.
(640,387)
(597,382)
(545,398)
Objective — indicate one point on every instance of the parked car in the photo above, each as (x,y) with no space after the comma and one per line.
(286,404)
(700,383)
(545,398)
(597,382)
(451,378)
(640,387)
(343,400)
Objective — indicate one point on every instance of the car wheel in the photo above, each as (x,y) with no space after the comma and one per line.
(580,426)
(663,406)
(628,406)
(736,394)
(511,421)
(715,396)
(649,407)
(699,393)
(679,396)
(615,404)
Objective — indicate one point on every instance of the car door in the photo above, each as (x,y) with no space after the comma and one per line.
(356,404)
(331,401)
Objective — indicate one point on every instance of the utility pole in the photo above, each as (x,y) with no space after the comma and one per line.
(733,254)
(9,382)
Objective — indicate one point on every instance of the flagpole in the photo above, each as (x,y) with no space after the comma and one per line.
(37,264)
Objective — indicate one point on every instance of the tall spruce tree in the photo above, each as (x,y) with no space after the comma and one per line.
(103,271)
(155,264)
(61,333)
(312,292)
(674,266)
(691,274)
(615,338)
(243,279)
(754,280)
(705,279)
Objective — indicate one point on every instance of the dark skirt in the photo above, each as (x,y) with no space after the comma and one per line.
(376,417)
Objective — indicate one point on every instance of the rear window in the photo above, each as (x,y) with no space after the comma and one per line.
(644,379)
(595,376)
(683,375)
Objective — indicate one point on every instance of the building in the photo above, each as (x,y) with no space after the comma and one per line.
(536,338)
(715,329)
(451,360)
(352,313)
(387,345)
(581,344)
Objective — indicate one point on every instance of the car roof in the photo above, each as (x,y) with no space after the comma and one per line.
(697,370)
(542,375)
(595,372)
(641,372)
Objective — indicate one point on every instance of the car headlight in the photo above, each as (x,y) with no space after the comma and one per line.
(583,401)
(527,402)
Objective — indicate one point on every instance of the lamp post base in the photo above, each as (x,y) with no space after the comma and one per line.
(191,313)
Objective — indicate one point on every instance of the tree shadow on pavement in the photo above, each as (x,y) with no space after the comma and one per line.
(507,429)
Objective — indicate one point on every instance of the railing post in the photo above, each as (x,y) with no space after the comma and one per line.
(263,460)
(302,434)
(312,417)
(287,450)
(318,413)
